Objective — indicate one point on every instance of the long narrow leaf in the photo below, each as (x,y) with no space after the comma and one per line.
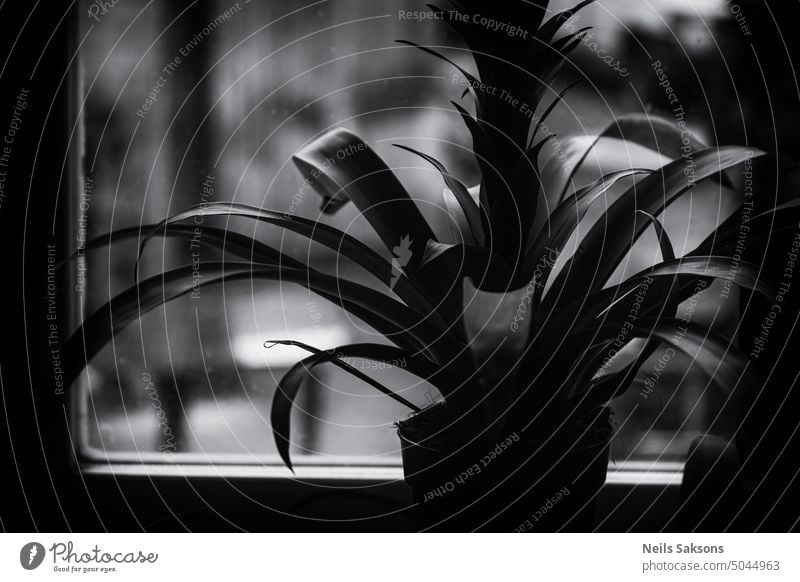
(549,29)
(348,368)
(608,241)
(122,310)
(239,245)
(558,99)
(247,248)
(716,356)
(328,236)
(471,210)
(562,223)
(341,166)
(289,386)
(667,252)
(462,230)
(653,132)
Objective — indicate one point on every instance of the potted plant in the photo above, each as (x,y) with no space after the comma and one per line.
(526,356)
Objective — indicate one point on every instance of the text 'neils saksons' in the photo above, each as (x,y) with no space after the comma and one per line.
(663,548)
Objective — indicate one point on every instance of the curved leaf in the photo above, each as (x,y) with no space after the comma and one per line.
(653,132)
(667,252)
(342,167)
(462,232)
(717,357)
(328,236)
(558,99)
(783,217)
(656,133)
(239,245)
(609,155)
(289,386)
(669,305)
(471,209)
(549,29)
(244,247)
(581,314)
(476,130)
(740,273)
(473,81)
(451,263)
(376,309)
(562,223)
(344,366)
(608,241)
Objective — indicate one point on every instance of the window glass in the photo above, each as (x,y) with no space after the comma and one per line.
(202,104)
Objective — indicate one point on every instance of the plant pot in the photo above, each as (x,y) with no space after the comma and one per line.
(524,481)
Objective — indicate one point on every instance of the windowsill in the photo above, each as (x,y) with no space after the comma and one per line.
(203,497)
(632,473)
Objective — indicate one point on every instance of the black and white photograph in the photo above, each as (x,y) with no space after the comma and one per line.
(332,268)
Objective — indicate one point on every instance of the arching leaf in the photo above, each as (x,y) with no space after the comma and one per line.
(289,386)
(341,166)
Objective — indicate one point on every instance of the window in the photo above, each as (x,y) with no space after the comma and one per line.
(207,103)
